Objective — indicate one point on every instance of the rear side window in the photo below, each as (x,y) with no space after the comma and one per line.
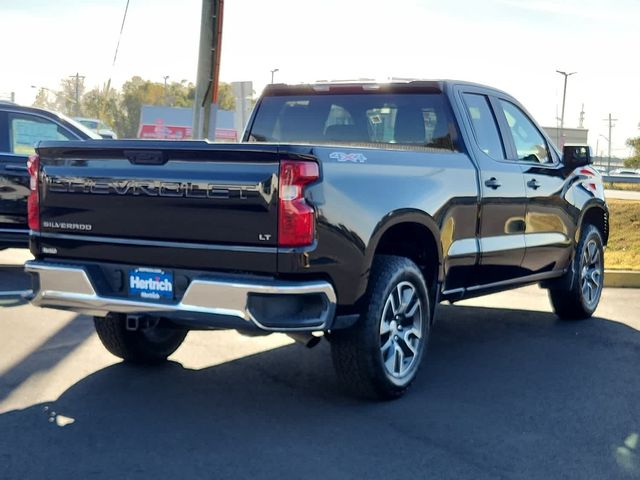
(420,120)
(484,125)
(27,130)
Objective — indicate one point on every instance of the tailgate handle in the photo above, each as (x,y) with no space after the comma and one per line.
(145,157)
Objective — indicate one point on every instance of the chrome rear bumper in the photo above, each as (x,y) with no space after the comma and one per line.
(272,305)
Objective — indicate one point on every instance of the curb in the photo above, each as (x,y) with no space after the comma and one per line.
(622,278)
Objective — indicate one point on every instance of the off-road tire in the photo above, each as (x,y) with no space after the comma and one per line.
(357,351)
(145,345)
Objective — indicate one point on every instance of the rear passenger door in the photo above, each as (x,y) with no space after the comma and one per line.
(549,225)
(502,203)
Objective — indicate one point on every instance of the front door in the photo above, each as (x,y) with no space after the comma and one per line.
(502,204)
(549,225)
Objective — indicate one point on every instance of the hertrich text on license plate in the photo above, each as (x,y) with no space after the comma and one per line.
(151,284)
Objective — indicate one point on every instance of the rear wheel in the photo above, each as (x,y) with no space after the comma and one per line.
(152,341)
(586,278)
(380,355)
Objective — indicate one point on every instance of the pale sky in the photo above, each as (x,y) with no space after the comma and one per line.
(515,45)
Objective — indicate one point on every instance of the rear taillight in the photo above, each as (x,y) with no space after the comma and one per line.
(33,209)
(296,222)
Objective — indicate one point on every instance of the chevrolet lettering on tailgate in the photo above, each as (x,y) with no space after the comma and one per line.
(150,188)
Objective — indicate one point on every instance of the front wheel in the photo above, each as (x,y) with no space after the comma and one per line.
(581,298)
(152,342)
(380,355)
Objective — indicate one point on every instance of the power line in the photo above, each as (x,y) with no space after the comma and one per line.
(115,56)
(124,19)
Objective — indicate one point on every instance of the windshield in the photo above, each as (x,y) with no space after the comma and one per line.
(387,118)
(88,132)
(92,124)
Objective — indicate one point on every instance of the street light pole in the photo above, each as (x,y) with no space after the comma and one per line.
(274,71)
(564,96)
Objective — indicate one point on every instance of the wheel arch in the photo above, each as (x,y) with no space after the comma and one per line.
(409,233)
(596,214)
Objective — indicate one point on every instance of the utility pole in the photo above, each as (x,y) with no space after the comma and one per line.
(610,120)
(164,92)
(564,96)
(206,95)
(77,78)
(13,97)
(581,120)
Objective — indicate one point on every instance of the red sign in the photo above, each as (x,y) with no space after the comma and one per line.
(168,132)
(159,131)
(226,134)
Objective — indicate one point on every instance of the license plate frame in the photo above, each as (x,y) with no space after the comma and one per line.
(150,284)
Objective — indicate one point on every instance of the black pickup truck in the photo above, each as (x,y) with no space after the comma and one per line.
(348,210)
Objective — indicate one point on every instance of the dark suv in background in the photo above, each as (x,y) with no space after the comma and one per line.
(20,129)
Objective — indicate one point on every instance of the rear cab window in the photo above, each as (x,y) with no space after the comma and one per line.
(403,119)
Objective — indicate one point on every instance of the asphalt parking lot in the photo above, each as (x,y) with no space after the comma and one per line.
(506,391)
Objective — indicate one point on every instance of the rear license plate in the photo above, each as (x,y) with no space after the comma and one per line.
(150,284)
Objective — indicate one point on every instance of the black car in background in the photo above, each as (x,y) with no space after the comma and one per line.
(20,129)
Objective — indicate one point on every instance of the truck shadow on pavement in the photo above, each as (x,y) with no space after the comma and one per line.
(502,394)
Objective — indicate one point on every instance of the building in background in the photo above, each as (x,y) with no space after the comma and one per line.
(605,162)
(567,136)
(8,96)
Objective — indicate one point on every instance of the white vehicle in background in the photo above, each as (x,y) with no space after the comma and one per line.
(98,126)
(625,172)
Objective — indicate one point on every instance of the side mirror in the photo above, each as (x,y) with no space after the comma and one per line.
(576,155)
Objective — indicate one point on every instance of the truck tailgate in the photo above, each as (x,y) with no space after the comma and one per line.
(166,195)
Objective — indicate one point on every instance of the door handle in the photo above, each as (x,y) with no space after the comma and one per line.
(533,183)
(15,166)
(492,183)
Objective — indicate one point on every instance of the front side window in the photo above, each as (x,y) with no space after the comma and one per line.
(27,130)
(420,120)
(484,125)
(529,142)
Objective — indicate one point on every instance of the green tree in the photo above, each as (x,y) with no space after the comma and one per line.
(104,104)
(121,109)
(634,160)
(226,98)
(43,100)
(137,92)
(67,101)
(180,94)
